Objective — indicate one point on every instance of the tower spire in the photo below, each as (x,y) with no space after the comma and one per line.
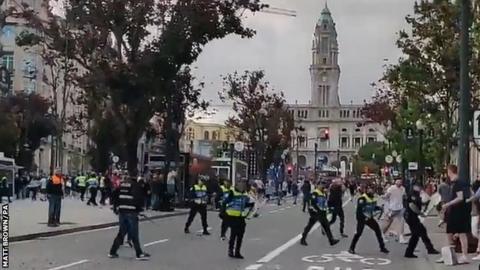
(326,4)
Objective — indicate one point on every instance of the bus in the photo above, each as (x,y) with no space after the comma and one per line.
(221,169)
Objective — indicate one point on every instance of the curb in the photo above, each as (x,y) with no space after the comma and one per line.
(33,236)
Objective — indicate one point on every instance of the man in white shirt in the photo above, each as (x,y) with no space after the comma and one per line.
(395,209)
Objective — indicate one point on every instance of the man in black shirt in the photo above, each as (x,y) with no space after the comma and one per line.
(335,203)
(128,203)
(414,206)
(306,189)
(366,208)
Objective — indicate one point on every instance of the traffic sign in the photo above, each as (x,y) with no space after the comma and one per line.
(476,124)
(409,133)
(413,166)
(389,159)
(399,159)
(394,153)
(239,146)
(115,159)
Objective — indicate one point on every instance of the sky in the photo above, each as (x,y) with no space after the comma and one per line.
(367,31)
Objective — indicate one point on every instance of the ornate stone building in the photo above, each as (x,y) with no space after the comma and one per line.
(338,130)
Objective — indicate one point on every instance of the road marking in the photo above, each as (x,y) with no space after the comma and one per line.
(155,242)
(273,211)
(69,265)
(345,203)
(281,209)
(274,253)
(254,267)
(288,207)
(208,229)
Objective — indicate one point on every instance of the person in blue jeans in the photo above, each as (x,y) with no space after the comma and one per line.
(128,203)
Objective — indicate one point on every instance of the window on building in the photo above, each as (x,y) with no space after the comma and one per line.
(371,130)
(354,114)
(371,139)
(324,60)
(7,60)
(344,130)
(348,114)
(357,130)
(344,142)
(206,135)
(325,26)
(306,114)
(326,113)
(214,136)
(357,142)
(191,134)
(298,113)
(324,45)
(8,34)
(302,141)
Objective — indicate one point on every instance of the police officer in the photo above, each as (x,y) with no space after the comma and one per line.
(128,203)
(199,195)
(81,184)
(318,212)
(93,187)
(366,210)
(336,204)
(414,206)
(4,189)
(225,190)
(235,206)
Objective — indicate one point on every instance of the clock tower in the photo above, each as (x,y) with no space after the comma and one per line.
(324,70)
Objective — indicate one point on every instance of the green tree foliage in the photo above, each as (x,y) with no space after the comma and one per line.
(132,53)
(424,83)
(24,121)
(262,116)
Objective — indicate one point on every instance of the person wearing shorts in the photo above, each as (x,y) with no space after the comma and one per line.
(395,196)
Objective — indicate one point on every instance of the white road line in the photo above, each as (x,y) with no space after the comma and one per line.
(345,203)
(274,253)
(288,207)
(208,229)
(254,267)
(155,242)
(69,265)
(273,211)
(281,209)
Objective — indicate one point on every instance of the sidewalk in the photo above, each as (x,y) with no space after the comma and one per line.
(28,219)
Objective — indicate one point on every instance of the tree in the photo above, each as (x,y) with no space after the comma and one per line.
(424,83)
(262,116)
(132,52)
(24,121)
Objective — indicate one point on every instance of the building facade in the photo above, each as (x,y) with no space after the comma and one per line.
(204,138)
(29,74)
(338,130)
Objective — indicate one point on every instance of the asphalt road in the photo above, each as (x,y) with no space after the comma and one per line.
(271,242)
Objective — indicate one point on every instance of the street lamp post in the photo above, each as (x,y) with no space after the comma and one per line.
(465,99)
(420,128)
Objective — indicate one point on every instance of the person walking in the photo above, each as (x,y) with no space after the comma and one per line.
(458,212)
(199,196)
(318,213)
(103,190)
(394,196)
(33,188)
(55,195)
(43,188)
(445,191)
(335,202)
(92,183)
(155,189)
(237,207)
(475,200)
(225,188)
(82,185)
(128,203)
(418,230)
(366,208)
(4,189)
(295,191)
(306,190)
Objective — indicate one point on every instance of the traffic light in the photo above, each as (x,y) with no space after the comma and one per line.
(326,134)
(289,169)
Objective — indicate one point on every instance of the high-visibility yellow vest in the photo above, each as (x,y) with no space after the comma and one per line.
(236,207)
(200,194)
(321,199)
(370,206)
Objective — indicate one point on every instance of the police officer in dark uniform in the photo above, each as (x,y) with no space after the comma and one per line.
(199,196)
(366,210)
(237,207)
(318,212)
(128,202)
(414,206)
(336,204)
(225,191)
